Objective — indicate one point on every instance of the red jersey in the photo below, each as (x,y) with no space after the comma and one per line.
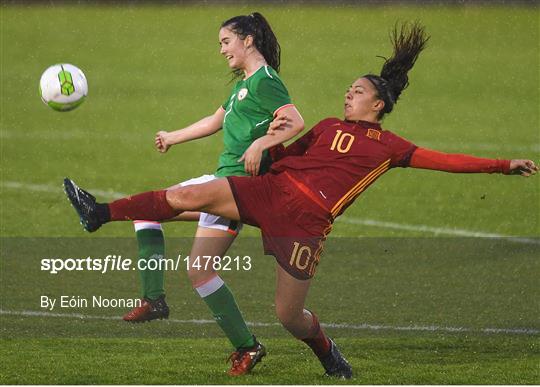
(337,160)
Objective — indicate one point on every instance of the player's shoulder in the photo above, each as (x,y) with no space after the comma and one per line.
(391,138)
(266,75)
(268,72)
(389,134)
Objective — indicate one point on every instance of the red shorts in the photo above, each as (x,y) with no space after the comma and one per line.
(293,226)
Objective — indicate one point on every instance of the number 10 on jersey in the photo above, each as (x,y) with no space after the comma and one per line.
(342,142)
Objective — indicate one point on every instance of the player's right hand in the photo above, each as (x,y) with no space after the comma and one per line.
(162,145)
(279,123)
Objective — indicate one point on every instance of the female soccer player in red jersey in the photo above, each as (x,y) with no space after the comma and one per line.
(311,183)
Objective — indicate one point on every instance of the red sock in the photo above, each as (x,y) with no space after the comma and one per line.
(150,205)
(317,340)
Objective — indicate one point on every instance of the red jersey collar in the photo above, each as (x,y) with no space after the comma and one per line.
(365,124)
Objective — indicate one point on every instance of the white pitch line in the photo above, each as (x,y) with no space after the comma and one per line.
(351,220)
(371,327)
(436,230)
(478,146)
(57,189)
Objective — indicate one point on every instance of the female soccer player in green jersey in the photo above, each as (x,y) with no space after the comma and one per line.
(253,52)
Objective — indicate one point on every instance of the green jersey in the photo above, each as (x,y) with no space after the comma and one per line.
(248,112)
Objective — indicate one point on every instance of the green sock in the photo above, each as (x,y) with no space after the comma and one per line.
(220,300)
(151,250)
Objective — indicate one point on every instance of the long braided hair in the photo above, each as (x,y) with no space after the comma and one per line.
(263,37)
(408,42)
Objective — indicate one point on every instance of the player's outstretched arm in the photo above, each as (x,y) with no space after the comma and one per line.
(459,163)
(202,128)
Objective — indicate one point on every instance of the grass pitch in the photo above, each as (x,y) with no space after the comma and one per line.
(408,305)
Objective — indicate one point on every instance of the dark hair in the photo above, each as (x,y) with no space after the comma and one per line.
(263,37)
(408,43)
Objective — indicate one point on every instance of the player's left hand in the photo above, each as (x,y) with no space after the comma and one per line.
(252,159)
(523,167)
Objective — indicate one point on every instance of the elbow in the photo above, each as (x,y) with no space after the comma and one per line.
(298,126)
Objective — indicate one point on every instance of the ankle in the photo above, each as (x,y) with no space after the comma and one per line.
(103,212)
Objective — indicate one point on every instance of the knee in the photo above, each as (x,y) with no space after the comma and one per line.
(186,198)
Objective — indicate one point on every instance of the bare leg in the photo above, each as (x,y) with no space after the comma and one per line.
(187,216)
(208,242)
(291,294)
(214,197)
(290,297)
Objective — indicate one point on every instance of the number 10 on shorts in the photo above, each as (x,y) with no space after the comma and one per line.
(301,256)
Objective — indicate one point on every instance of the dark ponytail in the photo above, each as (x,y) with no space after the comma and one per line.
(263,37)
(408,42)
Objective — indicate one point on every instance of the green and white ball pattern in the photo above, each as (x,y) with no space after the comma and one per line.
(63,87)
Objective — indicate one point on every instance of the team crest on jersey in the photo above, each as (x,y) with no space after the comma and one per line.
(374,134)
(242,94)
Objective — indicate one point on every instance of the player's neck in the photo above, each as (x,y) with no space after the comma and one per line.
(365,124)
(253,64)
(365,118)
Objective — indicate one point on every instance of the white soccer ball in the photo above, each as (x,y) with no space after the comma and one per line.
(63,87)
